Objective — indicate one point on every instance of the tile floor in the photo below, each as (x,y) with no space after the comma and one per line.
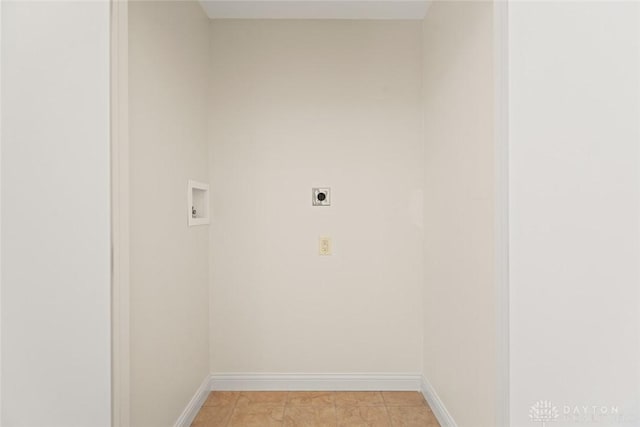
(315,409)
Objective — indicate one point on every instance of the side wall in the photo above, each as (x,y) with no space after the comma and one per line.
(168,80)
(459,297)
(55,214)
(574,209)
(302,104)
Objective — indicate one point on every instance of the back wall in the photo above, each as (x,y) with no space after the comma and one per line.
(302,104)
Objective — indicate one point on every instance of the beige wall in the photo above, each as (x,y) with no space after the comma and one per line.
(297,104)
(168,80)
(459,299)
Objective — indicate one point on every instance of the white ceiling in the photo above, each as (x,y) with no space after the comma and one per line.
(315,9)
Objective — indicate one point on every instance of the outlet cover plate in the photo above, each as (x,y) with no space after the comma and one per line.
(321,196)
(324,246)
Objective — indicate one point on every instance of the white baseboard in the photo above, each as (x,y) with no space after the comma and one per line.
(196,402)
(319,382)
(439,410)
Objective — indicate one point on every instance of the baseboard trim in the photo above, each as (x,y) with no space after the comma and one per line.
(196,402)
(319,382)
(315,382)
(439,410)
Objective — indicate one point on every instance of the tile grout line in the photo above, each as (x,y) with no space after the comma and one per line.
(335,406)
(386,409)
(286,405)
(233,410)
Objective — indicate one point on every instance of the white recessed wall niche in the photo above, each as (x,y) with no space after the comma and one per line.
(198,203)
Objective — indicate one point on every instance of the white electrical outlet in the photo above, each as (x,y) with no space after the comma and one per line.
(324,247)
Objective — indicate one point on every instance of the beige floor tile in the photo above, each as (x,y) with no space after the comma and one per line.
(412,416)
(363,416)
(213,416)
(269,397)
(359,398)
(315,409)
(222,398)
(403,398)
(257,415)
(311,398)
(310,416)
